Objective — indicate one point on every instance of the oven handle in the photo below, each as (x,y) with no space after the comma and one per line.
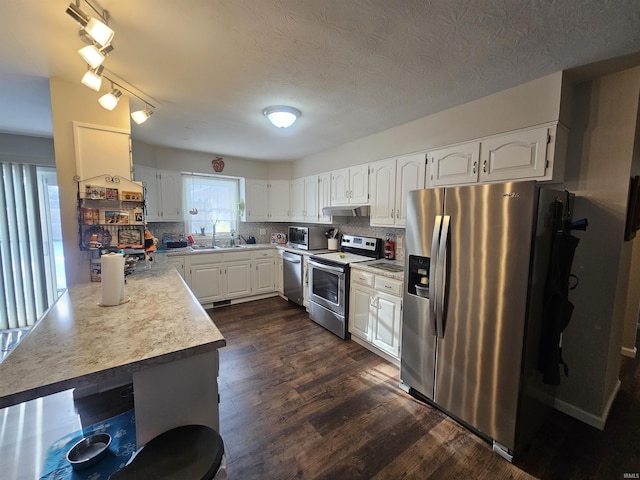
(322,266)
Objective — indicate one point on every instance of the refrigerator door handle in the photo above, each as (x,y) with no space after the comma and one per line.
(442,256)
(432,275)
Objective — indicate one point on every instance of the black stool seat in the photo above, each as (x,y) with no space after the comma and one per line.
(191,452)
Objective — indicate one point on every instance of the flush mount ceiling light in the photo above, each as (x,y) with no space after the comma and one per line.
(282,116)
(93,78)
(94,56)
(97,29)
(110,100)
(141,116)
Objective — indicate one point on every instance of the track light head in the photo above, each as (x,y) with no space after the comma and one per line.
(93,78)
(97,29)
(141,116)
(110,100)
(94,56)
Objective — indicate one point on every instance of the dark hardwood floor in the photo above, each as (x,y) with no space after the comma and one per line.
(298,402)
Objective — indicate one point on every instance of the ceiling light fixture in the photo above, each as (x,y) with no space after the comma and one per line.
(282,116)
(141,116)
(110,100)
(94,56)
(97,29)
(93,78)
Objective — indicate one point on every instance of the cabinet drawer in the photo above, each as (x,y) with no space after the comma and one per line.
(256,255)
(362,278)
(389,285)
(236,256)
(205,258)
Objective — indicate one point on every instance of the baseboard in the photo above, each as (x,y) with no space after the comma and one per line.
(586,417)
(629,352)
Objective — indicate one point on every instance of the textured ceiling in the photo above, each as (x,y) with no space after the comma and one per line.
(354,67)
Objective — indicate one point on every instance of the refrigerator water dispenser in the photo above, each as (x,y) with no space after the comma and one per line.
(418,283)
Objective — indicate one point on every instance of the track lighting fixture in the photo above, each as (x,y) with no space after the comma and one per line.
(110,100)
(282,116)
(94,56)
(93,78)
(97,29)
(141,116)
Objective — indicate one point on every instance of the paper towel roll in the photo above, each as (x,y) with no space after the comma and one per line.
(112,279)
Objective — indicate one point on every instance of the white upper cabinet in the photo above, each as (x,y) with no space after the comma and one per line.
(350,186)
(391,180)
(536,153)
(266,200)
(309,195)
(163,198)
(324,197)
(514,156)
(455,165)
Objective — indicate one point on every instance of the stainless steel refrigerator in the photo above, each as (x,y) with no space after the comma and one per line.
(475,264)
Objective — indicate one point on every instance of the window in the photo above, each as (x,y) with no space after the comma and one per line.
(215,199)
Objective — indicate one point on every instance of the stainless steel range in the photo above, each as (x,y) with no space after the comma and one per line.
(329,281)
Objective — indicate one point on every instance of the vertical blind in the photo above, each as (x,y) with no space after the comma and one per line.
(23,298)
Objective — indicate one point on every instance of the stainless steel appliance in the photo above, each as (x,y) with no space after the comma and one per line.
(329,281)
(293,272)
(307,238)
(475,265)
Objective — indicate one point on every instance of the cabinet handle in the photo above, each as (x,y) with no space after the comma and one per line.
(391,213)
(484,166)
(473,169)
(398,213)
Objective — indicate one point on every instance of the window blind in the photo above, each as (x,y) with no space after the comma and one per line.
(23,298)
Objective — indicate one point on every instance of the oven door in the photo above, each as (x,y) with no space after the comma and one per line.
(327,286)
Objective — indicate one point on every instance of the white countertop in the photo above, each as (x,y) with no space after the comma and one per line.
(79,343)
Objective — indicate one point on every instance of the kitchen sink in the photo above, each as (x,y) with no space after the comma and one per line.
(220,247)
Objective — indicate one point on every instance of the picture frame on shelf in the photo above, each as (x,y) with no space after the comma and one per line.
(138,217)
(120,217)
(90,216)
(95,192)
(111,193)
(131,237)
(131,196)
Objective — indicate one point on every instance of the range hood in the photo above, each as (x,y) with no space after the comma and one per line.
(347,211)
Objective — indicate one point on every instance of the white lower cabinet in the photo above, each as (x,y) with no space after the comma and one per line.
(375,312)
(263,275)
(213,277)
(279,272)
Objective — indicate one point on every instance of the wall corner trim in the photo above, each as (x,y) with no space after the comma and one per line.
(586,417)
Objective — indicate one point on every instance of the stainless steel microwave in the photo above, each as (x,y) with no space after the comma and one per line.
(308,238)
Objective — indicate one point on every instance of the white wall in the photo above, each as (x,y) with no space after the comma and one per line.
(75,102)
(529,104)
(199,162)
(599,166)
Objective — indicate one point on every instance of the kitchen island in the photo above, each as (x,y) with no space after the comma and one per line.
(162,337)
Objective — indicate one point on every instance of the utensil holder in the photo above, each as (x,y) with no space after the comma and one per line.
(333,244)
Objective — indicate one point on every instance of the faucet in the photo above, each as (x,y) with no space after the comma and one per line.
(213,244)
(242,238)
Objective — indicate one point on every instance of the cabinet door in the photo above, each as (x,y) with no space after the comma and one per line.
(257,200)
(206,282)
(359,182)
(279,209)
(324,197)
(305,281)
(410,175)
(171,195)
(279,273)
(386,327)
(311,198)
(178,263)
(297,200)
(360,310)
(263,276)
(340,187)
(148,175)
(456,165)
(383,192)
(514,156)
(238,276)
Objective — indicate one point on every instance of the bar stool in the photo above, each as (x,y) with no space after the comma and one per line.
(190,452)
